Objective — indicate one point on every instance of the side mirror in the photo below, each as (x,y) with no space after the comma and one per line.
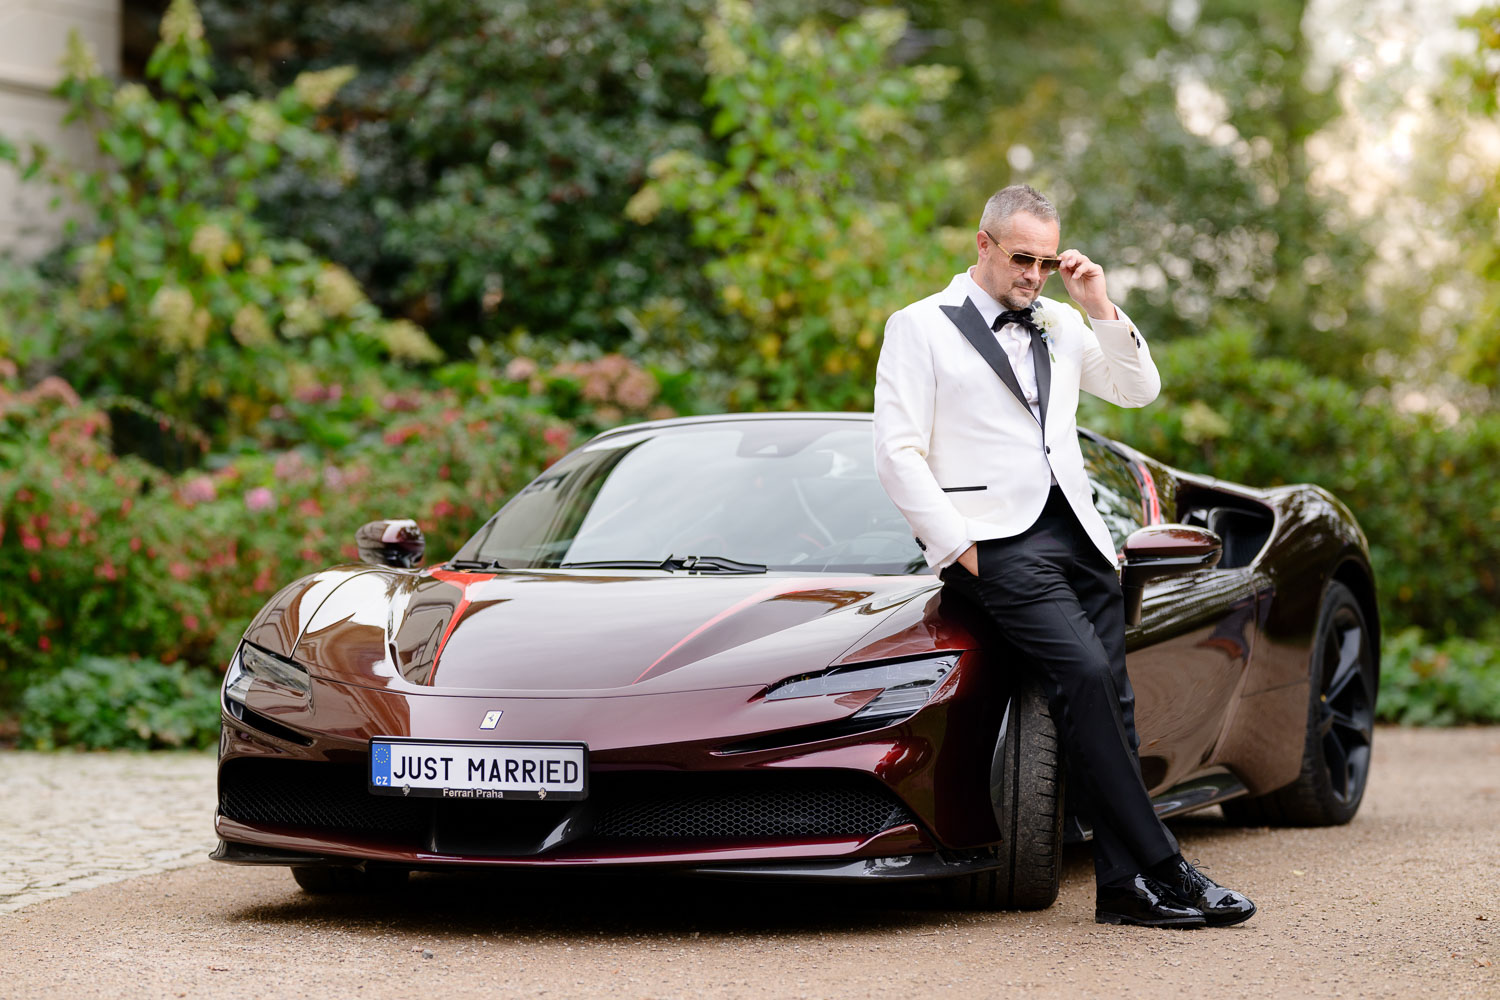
(391,543)
(1162,550)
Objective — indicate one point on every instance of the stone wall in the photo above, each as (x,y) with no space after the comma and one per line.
(33,35)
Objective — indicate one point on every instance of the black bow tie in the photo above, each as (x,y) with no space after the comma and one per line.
(1021,316)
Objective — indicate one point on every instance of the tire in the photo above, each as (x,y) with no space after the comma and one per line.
(1026,791)
(332,880)
(1343,678)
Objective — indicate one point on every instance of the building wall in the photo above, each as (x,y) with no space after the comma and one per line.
(33,37)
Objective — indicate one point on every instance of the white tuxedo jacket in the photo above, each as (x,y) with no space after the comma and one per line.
(956,446)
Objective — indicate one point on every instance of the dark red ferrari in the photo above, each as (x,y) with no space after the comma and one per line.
(711,644)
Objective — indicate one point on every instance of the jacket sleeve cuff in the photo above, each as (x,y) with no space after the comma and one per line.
(1118,328)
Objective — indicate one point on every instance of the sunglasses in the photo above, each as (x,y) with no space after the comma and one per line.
(1025,260)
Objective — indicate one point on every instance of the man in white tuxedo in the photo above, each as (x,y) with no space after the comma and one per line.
(976,441)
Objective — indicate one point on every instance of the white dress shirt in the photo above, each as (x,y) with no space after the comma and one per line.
(1015,339)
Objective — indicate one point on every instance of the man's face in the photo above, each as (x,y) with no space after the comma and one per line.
(1011,286)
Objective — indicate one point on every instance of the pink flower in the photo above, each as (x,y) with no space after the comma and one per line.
(401,435)
(259,498)
(199,489)
(613,365)
(288,464)
(595,388)
(636,390)
(520,369)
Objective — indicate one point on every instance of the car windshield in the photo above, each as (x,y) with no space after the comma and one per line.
(787,494)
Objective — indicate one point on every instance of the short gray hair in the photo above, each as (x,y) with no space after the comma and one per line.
(1013,200)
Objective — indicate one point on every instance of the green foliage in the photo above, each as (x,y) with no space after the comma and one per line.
(177,295)
(1478,351)
(1173,137)
(102,554)
(1424,493)
(490,154)
(822,205)
(125,704)
(1446,683)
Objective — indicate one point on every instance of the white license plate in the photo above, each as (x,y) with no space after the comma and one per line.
(478,770)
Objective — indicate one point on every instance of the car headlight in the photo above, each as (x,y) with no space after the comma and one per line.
(251,663)
(904,687)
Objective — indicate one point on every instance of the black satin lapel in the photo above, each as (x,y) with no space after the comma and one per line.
(966,317)
(1041,360)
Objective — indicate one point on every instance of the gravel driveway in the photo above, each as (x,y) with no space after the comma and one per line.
(1400,903)
(76,821)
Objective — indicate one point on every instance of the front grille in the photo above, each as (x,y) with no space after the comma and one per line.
(321,796)
(747,806)
(635,806)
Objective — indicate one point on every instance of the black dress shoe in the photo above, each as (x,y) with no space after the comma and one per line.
(1221,907)
(1144,902)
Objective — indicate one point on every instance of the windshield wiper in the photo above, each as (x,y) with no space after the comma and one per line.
(473,564)
(692,564)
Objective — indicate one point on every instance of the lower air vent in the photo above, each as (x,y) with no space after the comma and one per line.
(747,806)
(329,797)
(631,806)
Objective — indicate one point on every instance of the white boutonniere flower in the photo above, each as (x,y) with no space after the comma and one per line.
(1045,321)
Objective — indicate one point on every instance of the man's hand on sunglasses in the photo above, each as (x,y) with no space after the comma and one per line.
(1084,281)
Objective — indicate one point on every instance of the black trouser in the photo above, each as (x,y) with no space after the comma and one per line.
(1057,600)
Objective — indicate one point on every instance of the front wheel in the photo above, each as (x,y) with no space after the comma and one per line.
(1026,792)
(1343,677)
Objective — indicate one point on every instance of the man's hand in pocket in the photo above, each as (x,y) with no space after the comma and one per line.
(970,559)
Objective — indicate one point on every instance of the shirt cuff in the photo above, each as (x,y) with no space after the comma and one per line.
(951,557)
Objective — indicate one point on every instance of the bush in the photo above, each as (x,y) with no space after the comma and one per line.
(101,554)
(489,148)
(820,209)
(175,294)
(122,704)
(1439,684)
(1425,493)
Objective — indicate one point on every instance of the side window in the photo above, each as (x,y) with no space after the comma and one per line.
(1117,490)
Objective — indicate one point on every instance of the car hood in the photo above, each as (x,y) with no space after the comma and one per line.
(591,632)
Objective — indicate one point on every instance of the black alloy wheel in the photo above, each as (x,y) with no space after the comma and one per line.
(1346,708)
(1343,679)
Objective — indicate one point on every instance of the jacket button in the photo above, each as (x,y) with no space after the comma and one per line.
(1049,448)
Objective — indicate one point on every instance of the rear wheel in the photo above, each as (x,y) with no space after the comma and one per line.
(323,881)
(1026,790)
(1343,678)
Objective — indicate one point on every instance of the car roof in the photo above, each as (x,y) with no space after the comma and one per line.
(714,418)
